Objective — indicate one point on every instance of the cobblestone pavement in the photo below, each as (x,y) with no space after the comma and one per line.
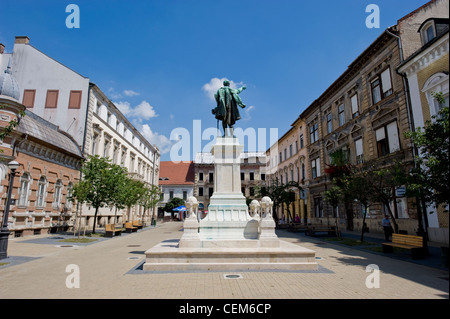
(109,268)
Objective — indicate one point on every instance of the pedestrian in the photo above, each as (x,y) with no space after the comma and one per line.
(386,227)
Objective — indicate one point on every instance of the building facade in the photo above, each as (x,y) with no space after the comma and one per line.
(287,162)
(253,174)
(427,72)
(176,181)
(49,163)
(80,109)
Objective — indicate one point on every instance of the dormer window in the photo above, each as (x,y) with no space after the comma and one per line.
(428,32)
(433,28)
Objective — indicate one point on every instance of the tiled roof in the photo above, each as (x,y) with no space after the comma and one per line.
(181,173)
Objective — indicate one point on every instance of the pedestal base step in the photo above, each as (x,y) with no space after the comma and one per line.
(287,256)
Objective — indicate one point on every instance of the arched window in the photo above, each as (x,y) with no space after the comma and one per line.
(58,193)
(437,83)
(24,189)
(41,192)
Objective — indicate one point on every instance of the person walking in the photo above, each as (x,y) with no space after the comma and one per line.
(386,223)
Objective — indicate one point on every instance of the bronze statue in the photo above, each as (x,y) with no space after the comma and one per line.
(227,111)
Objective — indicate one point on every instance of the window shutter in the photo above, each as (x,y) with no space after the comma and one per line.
(52,99)
(28,98)
(386,80)
(394,144)
(354,100)
(75,99)
(380,134)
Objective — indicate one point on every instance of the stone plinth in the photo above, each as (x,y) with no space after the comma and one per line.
(229,238)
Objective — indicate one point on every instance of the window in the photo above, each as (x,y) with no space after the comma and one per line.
(359,151)
(242,176)
(281,157)
(387,139)
(355,108)
(200,191)
(94,144)
(427,32)
(170,194)
(341,115)
(329,123)
(28,98)
(42,188)
(438,82)
(75,99)
(285,153)
(184,195)
(106,147)
(296,147)
(210,191)
(24,189)
(315,167)
(376,92)
(108,119)
(211,177)
(52,99)
(263,177)
(69,195)
(301,141)
(57,193)
(314,133)
(381,86)
(318,207)
(123,157)
(200,176)
(252,191)
(303,172)
(290,151)
(252,176)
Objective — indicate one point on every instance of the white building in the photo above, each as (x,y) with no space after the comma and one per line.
(78,107)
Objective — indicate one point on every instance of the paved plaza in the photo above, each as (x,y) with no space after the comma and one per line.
(42,267)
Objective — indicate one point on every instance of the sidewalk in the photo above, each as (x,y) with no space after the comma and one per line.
(110,268)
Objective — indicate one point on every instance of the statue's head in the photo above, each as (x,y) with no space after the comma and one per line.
(226,83)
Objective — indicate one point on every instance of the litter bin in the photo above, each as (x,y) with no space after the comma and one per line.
(154,222)
(444,256)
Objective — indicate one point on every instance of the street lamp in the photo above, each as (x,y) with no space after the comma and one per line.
(4,232)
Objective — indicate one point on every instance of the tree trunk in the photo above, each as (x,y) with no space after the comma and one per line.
(95,220)
(363,224)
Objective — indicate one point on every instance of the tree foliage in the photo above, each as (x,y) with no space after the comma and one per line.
(431,174)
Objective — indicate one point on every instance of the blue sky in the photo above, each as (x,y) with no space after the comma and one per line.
(156,59)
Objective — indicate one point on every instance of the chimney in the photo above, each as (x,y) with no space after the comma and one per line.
(2,48)
(22,40)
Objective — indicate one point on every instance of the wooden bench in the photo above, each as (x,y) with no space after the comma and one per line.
(111,231)
(313,229)
(411,242)
(297,227)
(129,228)
(137,224)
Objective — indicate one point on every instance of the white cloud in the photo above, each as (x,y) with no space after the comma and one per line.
(143,111)
(215,84)
(247,112)
(161,141)
(130,93)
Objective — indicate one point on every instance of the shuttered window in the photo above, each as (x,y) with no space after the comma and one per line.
(52,99)
(75,99)
(28,98)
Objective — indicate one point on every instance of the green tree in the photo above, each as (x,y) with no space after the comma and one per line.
(433,166)
(149,198)
(132,192)
(173,203)
(97,178)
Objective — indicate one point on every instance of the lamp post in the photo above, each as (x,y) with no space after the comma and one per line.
(4,232)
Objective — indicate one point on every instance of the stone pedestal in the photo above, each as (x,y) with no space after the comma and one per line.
(229,238)
(228,216)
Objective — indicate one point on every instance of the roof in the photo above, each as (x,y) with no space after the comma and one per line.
(171,173)
(38,128)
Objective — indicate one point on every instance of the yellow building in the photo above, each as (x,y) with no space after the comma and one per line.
(427,71)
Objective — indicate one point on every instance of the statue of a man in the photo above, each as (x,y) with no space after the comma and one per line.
(227,110)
